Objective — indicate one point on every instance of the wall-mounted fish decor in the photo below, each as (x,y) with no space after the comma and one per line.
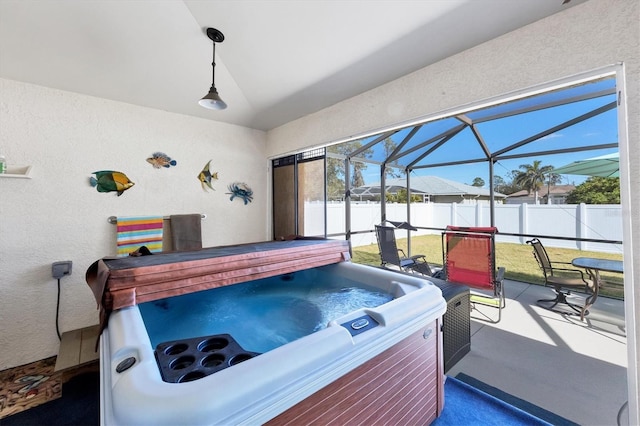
(109,181)
(205,176)
(160,159)
(240,190)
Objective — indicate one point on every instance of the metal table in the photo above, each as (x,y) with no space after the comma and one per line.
(593,267)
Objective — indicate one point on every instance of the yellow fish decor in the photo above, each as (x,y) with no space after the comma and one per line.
(160,159)
(205,177)
(242,191)
(110,181)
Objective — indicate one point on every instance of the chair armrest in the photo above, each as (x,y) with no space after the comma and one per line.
(573,271)
(500,275)
(561,263)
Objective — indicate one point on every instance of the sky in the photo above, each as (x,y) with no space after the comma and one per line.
(504,132)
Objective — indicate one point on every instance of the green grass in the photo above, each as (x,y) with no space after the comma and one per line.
(517,259)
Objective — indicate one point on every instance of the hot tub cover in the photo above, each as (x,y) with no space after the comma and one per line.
(121,282)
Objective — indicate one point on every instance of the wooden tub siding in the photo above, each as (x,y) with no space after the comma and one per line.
(383,396)
(402,385)
(402,407)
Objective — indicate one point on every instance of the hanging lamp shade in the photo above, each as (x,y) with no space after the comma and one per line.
(212,99)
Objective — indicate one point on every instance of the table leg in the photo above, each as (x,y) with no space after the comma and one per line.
(595,279)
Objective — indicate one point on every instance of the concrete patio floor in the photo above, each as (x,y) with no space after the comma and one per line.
(576,369)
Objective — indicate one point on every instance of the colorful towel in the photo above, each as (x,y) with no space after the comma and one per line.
(134,232)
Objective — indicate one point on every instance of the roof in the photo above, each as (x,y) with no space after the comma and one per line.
(429,185)
(553,190)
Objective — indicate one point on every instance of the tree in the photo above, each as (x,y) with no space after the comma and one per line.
(335,169)
(596,190)
(391,172)
(335,179)
(532,177)
(479,182)
(357,179)
(498,184)
(401,197)
(335,166)
(506,187)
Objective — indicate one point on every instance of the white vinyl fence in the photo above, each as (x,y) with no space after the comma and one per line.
(602,222)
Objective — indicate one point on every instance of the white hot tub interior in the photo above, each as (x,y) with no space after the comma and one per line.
(264,314)
(316,348)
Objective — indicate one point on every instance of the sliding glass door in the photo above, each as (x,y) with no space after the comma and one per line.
(299,195)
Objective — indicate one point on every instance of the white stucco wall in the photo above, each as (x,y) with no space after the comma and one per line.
(56,215)
(585,37)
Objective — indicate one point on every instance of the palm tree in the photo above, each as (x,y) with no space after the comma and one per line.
(532,177)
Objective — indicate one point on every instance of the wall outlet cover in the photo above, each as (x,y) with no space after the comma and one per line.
(60,269)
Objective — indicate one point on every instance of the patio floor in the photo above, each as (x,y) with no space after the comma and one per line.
(572,368)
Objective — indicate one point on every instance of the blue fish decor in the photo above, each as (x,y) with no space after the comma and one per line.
(110,181)
(205,177)
(242,191)
(160,159)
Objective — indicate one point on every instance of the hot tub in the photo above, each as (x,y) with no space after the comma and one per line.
(372,364)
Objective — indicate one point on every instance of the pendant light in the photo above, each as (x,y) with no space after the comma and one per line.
(212,99)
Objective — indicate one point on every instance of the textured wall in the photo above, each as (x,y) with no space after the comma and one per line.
(586,37)
(56,215)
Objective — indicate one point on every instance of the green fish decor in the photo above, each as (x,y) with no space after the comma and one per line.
(109,181)
(160,159)
(205,177)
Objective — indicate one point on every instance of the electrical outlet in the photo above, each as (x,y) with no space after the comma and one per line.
(60,269)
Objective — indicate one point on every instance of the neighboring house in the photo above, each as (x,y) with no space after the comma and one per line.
(432,189)
(556,193)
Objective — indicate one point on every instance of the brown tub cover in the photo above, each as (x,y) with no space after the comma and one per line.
(127,281)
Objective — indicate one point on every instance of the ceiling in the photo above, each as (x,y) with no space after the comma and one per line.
(280,60)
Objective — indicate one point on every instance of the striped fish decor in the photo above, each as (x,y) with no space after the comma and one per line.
(134,232)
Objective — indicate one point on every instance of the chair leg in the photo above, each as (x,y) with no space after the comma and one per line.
(497,301)
(498,292)
(561,297)
(556,300)
(421,268)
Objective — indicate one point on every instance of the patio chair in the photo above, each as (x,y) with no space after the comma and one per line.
(469,259)
(562,279)
(390,254)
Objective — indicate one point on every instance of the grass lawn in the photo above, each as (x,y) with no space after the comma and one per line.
(517,259)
